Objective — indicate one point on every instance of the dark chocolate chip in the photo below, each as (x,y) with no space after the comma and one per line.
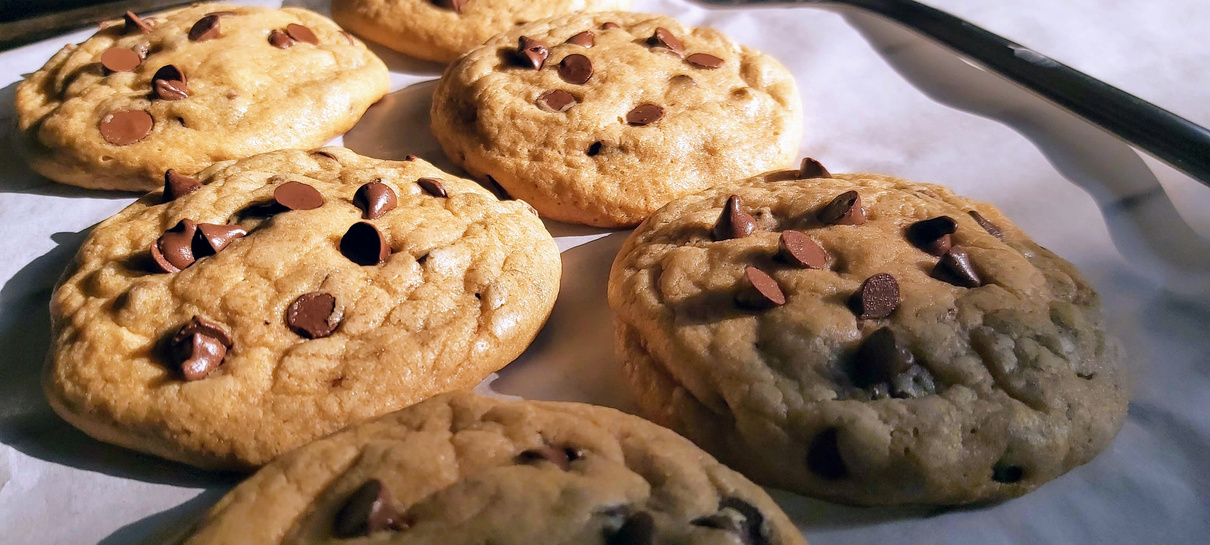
(955,267)
(880,358)
(173,251)
(594,149)
(531,52)
(455,5)
(644,114)
(199,347)
(610,25)
(758,290)
(368,511)
(704,60)
(134,23)
(556,100)
(297,196)
(877,297)
(585,39)
(798,249)
(432,187)
(212,238)
(375,199)
(301,34)
(639,529)
(1007,474)
(206,28)
(177,185)
(823,456)
(845,209)
(364,244)
(665,38)
(562,457)
(932,235)
(313,315)
(987,225)
(280,39)
(125,127)
(575,69)
(734,221)
(812,169)
(120,59)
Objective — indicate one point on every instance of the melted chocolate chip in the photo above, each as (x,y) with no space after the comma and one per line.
(199,347)
(206,28)
(734,222)
(177,185)
(125,127)
(955,267)
(432,187)
(644,114)
(704,60)
(134,23)
(877,297)
(173,251)
(531,52)
(297,196)
(812,169)
(120,59)
(584,39)
(169,83)
(213,238)
(823,456)
(798,249)
(169,72)
(759,291)
(364,244)
(556,100)
(987,225)
(880,358)
(375,199)
(932,235)
(575,69)
(665,38)
(639,529)
(845,209)
(368,511)
(280,39)
(301,34)
(313,315)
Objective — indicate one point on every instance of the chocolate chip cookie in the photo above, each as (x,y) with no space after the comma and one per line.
(276,299)
(865,340)
(442,30)
(466,469)
(181,90)
(601,119)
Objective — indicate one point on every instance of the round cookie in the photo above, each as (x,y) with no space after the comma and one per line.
(466,469)
(832,336)
(606,134)
(187,88)
(442,30)
(315,289)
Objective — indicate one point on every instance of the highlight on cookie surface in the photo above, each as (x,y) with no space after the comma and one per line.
(184,88)
(866,340)
(275,299)
(462,469)
(602,118)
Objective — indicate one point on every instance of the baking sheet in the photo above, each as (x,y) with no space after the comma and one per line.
(876,98)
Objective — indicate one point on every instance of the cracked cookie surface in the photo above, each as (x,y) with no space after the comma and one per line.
(605,135)
(466,469)
(281,337)
(962,383)
(187,88)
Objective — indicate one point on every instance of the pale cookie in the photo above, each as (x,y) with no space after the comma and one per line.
(865,340)
(462,469)
(601,119)
(442,30)
(182,90)
(286,296)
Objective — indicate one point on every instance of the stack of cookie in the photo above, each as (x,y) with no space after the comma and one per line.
(857,338)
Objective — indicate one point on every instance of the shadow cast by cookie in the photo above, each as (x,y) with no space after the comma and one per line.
(169,526)
(398,125)
(398,62)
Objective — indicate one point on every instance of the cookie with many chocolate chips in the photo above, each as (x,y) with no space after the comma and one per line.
(442,30)
(605,135)
(183,89)
(462,469)
(282,300)
(855,347)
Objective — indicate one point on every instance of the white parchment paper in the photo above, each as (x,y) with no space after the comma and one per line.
(876,98)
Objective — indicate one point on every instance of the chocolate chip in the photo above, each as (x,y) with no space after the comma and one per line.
(741,518)
(531,52)
(297,196)
(168,83)
(177,185)
(199,347)
(301,33)
(610,25)
(1007,473)
(987,225)
(759,291)
(734,221)
(880,358)
(280,39)
(644,114)
(364,244)
(955,267)
(877,297)
(134,23)
(455,5)
(125,127)
(704,60)
(812,169)
(639,529)
(313,315)
(368,511)
(212,238)
(932,235)
(845,209)
(347,36)
(562,457)
(594,149)
(575,68)
(173,251)
(206,28)
(432,187)
(409,157)
(120,59)
(798,249)
(823,456)
(169,72)
(586,39)
(665,38)
(374,199)
(556,100)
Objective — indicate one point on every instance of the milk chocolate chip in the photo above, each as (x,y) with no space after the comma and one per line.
(877,297)
(812,169)
(644,114)
(297,196)
(212,238)
(845,209)
(562,457)
(375,199)
(125,127)
(734,222)
(955,267)
(169,83)
(759,291)
(368,511)
(665,38)
(432,187)
(177,185)
(987,225)
(134,23)
(880,358)
(206,28)
(301,34)
(932,235)
(584,39)
(798,249)
(704,60)
(313,315)
(531,52)
(120,59)
(173,251)
(364,244)
(199,347)
(575,68)
(556,100)
(455,5)
(280,39)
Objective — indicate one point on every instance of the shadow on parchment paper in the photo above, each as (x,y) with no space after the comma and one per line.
(27,422)
(168,526)
(398,125)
